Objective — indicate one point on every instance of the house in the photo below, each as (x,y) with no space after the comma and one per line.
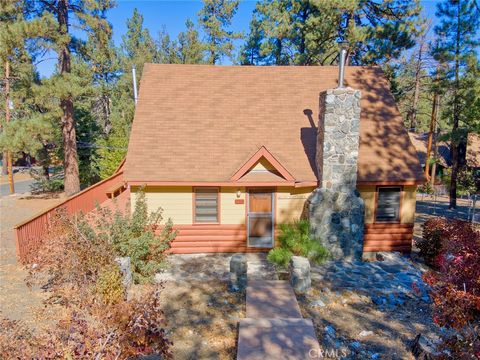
(230,152)
(420,142)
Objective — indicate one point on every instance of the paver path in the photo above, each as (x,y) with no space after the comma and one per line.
(274,327)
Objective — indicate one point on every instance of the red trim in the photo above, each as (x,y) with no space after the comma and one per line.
(263,152)
(223,184)
(387,183)
(219,207)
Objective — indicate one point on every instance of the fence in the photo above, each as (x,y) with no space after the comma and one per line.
(30,233)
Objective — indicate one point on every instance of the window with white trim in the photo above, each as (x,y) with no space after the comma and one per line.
(388,204)
(206,205)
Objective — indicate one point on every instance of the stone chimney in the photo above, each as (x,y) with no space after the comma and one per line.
(335,208)
(338,138)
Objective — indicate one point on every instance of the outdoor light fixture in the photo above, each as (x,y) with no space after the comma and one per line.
(239,193)
(341,62)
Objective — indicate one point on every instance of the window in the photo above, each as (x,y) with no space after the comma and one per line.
(388,204)
(206,205)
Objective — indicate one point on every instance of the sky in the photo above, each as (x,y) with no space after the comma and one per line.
(172,14)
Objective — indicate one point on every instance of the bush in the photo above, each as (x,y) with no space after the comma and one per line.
(295,239)
(430,244)
(280,256)
(126,330)
(142,238)
(109,285)
(455,287)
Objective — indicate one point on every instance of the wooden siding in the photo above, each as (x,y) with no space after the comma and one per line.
(388,237)
(193,239)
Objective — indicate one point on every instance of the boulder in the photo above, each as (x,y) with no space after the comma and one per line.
(125,266)
(300,278)
(238,272)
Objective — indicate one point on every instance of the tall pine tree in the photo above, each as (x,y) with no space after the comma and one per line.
(56,35)
(215,18)
(301,32)
(457,41)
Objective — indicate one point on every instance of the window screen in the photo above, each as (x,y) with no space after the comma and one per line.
(388,204)
(206,205)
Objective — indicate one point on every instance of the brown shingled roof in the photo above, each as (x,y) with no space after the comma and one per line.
(201,123)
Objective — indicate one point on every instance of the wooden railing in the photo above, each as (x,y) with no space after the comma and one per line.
(30,233)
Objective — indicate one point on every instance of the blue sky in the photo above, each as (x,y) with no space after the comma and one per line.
(172,15)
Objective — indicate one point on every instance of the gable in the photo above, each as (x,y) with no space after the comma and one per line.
(262,165)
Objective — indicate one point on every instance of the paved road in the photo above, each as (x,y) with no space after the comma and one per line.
(21,187)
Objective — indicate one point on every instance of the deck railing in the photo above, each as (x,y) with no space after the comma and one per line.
(30,233)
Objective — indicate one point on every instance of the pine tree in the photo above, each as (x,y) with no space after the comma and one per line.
(305,32)
(250,53)
(17,79)
(55,19)
(411,85)
(215,17)
(189,48)
(137,48)
(457,41)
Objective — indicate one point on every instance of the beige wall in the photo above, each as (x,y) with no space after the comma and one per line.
(367,193)
(408,205)
(177,203)
(290,203)
(232,213)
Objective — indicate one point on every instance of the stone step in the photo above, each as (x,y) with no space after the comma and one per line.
(271,299)
(276,339)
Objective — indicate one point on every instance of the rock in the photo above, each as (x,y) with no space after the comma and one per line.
(126,269)
(238,264)
(365,333)
(238,272)
(423,349)
(375,356)
(300,278)
(317,303)
(330,331)
(355,345)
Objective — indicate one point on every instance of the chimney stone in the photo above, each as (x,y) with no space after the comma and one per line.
(336,210)
(338,139)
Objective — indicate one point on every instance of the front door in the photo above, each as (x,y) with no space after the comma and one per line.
(260,218)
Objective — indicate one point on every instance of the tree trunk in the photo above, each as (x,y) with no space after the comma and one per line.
(70,161)
(456,116)
(8,158)
(4,163)
(433,122)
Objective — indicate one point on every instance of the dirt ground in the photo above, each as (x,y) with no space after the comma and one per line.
(202,319)
(364,330)
(17,301)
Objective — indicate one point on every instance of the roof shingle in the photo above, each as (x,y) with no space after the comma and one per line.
(201,123)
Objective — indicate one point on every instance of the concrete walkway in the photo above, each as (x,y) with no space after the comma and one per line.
(274,327)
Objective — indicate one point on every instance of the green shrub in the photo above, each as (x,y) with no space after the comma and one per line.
(43,185)
(141,237)
(295,239)
(109,286)
(280,257)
